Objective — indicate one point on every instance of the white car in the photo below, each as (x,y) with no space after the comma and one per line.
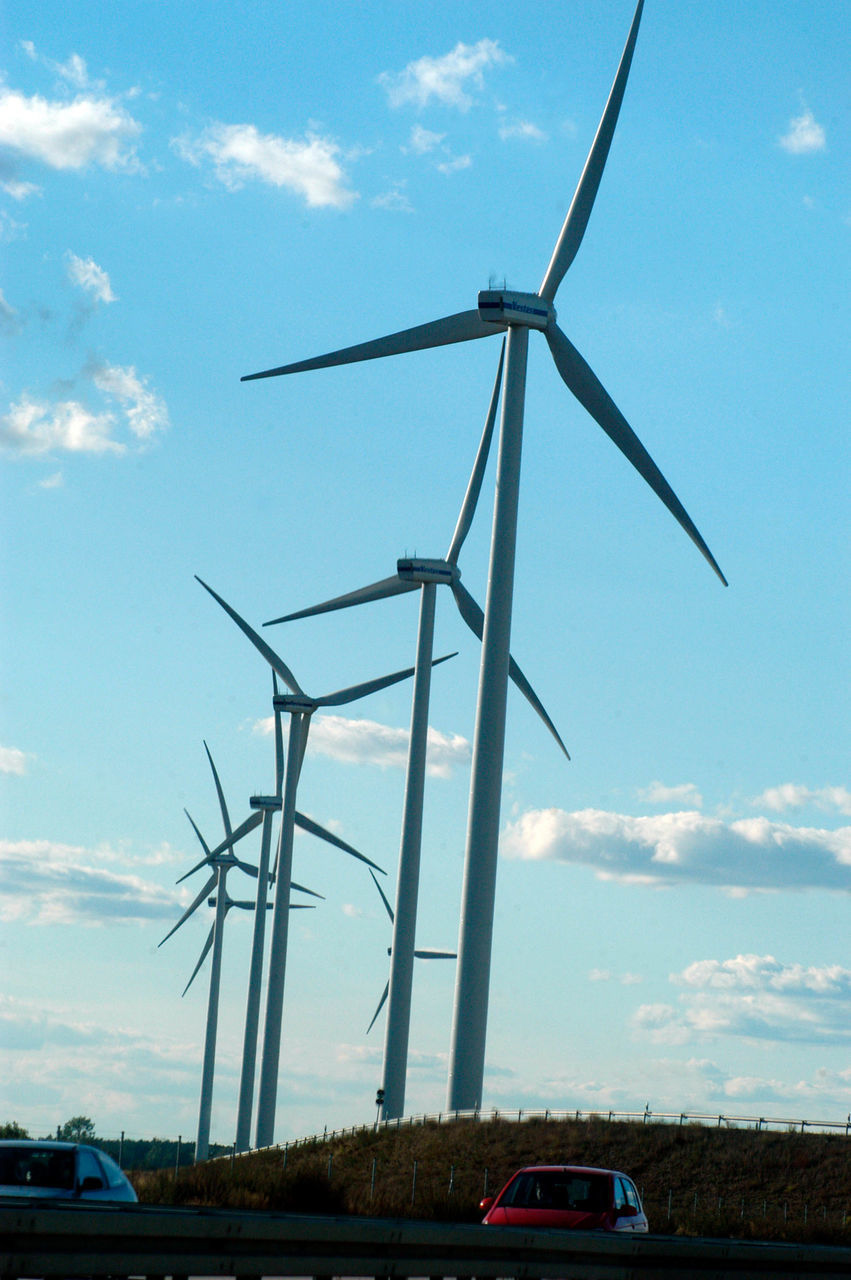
(60,1171)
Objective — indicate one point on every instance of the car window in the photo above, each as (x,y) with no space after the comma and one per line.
(88,1166)
(631,1194)
(114,1176)
(31,1167)
(558,1189)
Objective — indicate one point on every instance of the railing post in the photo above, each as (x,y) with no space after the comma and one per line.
(414,1183)
(177,1157)
(372,1180)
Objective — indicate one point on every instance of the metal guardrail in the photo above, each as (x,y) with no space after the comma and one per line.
(62,1239)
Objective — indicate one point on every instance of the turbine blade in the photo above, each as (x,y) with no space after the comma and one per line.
(307,824)
(383,896)
(196,903)
(220,793)
(301,888)
(468,507)
(204,844)
(475,620)
(436,955)
(461,327)
(592,395)
(355,691)
(203,956)
(247,867)
(363,595)
(253,820)
(276,663)
(384,995)
(583,199)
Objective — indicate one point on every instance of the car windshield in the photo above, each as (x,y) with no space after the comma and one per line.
(558,1189)
(30,1167)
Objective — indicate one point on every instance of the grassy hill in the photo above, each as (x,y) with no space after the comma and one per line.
(694,1180)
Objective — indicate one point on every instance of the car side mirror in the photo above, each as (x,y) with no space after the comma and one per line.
(485,1204)
(627,1211)
(91,1183)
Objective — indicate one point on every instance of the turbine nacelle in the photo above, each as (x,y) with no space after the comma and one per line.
(295,703)
(505,306)
(418,569)
(266,802)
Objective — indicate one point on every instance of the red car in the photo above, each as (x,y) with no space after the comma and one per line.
(567,1196)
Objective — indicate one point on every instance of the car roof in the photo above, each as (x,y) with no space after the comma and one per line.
(40,1144)
(569,1168)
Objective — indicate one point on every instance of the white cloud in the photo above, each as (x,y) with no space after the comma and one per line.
(19,190)
(685,793)
(308,167)
(525,130)
(455,164)
(145,411)
(42,882)
(792,795)
(9,319)
(423,140)
(86,273)
(69,135)
(366,742)
(33,427)
(756,997)
(395,200)
(13,761)
(672,848)
(804,135)
(444,79)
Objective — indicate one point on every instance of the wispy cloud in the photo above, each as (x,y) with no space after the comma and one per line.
(422,140)
(309,167)
(10,321)
(13,761)
(804,135)
(793,795)
(367,742)
(684,793)
(43,882)
(756,997)
(524,130)
(686,847)
(69,135)
(86,273)
(445,79)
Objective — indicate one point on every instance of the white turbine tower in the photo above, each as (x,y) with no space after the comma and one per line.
(419,954)
(497,311)
(424,576)
(300,707)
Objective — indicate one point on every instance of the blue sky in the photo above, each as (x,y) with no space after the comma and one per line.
(191,195)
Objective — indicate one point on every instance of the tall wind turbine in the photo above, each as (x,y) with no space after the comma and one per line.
(300,707)
(425,576)
(264,807)
(499,310)
(419,954)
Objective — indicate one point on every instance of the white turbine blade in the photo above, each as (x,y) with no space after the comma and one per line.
(592,395)
(220,793)
(188,912)
(355,691)
(279,740)
(204,844)
(307,824)
(301,888)
(276,663)
(380,1007)
(468,507)
(583,200)
(387,906)
(461,327)
(253,820)
(363,595)
(436,955)
(247,867)
(203,956)
(475,620)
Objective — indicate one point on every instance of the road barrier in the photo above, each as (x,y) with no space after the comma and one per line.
(62,1239)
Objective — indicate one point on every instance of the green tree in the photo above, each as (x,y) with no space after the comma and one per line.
(11,1129)
(77,1129)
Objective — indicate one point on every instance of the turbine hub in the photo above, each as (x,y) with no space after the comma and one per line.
(504,306)
(295,703)
(265,802)
(417,569)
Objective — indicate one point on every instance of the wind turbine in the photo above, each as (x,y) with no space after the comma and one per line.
(499,310)
(241,904)
(418,954)
(424,576)
(264,808)
(300,707)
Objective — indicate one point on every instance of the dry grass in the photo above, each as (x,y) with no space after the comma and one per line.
(694,1180)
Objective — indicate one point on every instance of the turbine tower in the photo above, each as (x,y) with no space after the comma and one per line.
(499,310)
(300,707)
(425,576)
